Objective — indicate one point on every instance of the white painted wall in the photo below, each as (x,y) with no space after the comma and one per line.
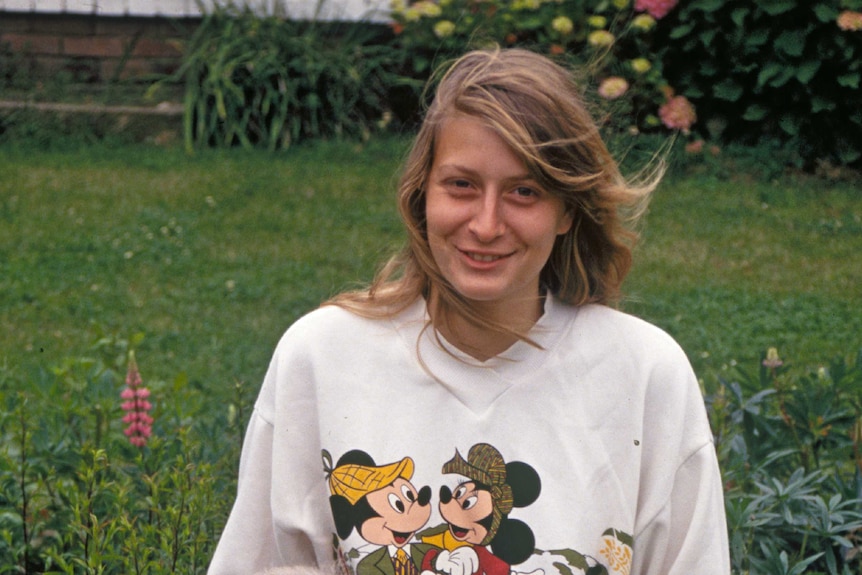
(375,10)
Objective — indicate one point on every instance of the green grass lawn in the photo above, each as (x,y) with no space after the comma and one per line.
(211,257)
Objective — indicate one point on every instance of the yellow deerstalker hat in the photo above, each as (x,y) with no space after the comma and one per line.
(353,481)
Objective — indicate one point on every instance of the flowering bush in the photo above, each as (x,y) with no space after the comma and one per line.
(787,72)
(611,40)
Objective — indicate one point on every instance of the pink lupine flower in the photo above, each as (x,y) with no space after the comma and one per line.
(139,422)
(613,87)
(658,9)
(678,114)
(850,21)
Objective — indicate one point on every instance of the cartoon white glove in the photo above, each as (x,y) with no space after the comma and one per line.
(461,561)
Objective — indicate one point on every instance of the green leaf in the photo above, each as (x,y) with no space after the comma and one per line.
(768,72)
(789,124)
(682,31)
(821,104)
(786,73)
(775,7)
(791,42)
(707,36)
(807,71)
(728,90)
(757,37)
(707,5)
(755,113)
(849,155)
(738,16)
(825,13)
(849,80)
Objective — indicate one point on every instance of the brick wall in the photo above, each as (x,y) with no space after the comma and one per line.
(96,48)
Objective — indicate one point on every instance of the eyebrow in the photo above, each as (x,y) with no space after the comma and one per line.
(525,177)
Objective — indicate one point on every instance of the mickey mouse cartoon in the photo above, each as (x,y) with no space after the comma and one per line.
(477,514)
(385,509)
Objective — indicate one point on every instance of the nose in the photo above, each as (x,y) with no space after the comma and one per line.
(487,223)
(445,495)
(424,496)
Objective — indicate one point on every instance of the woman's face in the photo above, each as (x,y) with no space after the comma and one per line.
(491,228)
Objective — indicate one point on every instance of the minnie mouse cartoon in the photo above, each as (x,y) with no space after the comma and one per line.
(477,515)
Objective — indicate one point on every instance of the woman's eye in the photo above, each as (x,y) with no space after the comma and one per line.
(469,502)
(461,183)
(459,492)
(525,192)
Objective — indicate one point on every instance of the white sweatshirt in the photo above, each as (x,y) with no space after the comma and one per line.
(608,415)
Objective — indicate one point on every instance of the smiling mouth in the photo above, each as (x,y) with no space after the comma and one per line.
(400,538)
(459,532)
(484,258)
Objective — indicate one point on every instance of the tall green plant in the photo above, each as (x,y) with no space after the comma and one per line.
(789,448)
(266,81)
(783,70)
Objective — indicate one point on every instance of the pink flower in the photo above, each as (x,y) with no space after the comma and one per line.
(613,87)
(137,418)
(658,9)
(678,114)
(694,147)
(850,21)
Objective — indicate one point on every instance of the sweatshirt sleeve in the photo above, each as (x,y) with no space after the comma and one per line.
(248,542)
(689,535)
(683,528)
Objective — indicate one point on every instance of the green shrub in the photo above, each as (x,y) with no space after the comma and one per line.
(790,448)
(779,70)
(78,496)
(264,81)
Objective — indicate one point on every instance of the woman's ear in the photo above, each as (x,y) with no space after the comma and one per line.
(566,221)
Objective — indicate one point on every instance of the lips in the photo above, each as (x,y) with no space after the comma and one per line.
(484,258)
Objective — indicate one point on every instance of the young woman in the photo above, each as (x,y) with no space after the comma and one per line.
(482,408)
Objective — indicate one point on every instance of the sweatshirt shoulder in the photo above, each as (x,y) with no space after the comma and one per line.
(628,328)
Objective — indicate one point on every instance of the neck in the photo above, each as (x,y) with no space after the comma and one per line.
(502,327)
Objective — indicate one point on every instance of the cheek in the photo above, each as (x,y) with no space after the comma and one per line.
(374,531)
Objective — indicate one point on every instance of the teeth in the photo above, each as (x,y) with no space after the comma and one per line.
(484,258)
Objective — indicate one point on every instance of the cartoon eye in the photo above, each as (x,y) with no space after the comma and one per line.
(396,503)
(408,494)
(459,492)
(470,502)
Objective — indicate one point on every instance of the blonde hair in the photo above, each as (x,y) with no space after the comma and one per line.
(537,108)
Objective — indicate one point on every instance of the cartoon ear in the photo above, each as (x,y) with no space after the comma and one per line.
(355,457)
(514,541)
(342,513)
(524,481)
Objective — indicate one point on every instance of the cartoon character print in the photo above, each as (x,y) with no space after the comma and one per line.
(384,508)
(477,515)
(478,536)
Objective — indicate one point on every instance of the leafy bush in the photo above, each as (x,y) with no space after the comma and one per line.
(790,447)
(264,81)
(783,70)
(80,497)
